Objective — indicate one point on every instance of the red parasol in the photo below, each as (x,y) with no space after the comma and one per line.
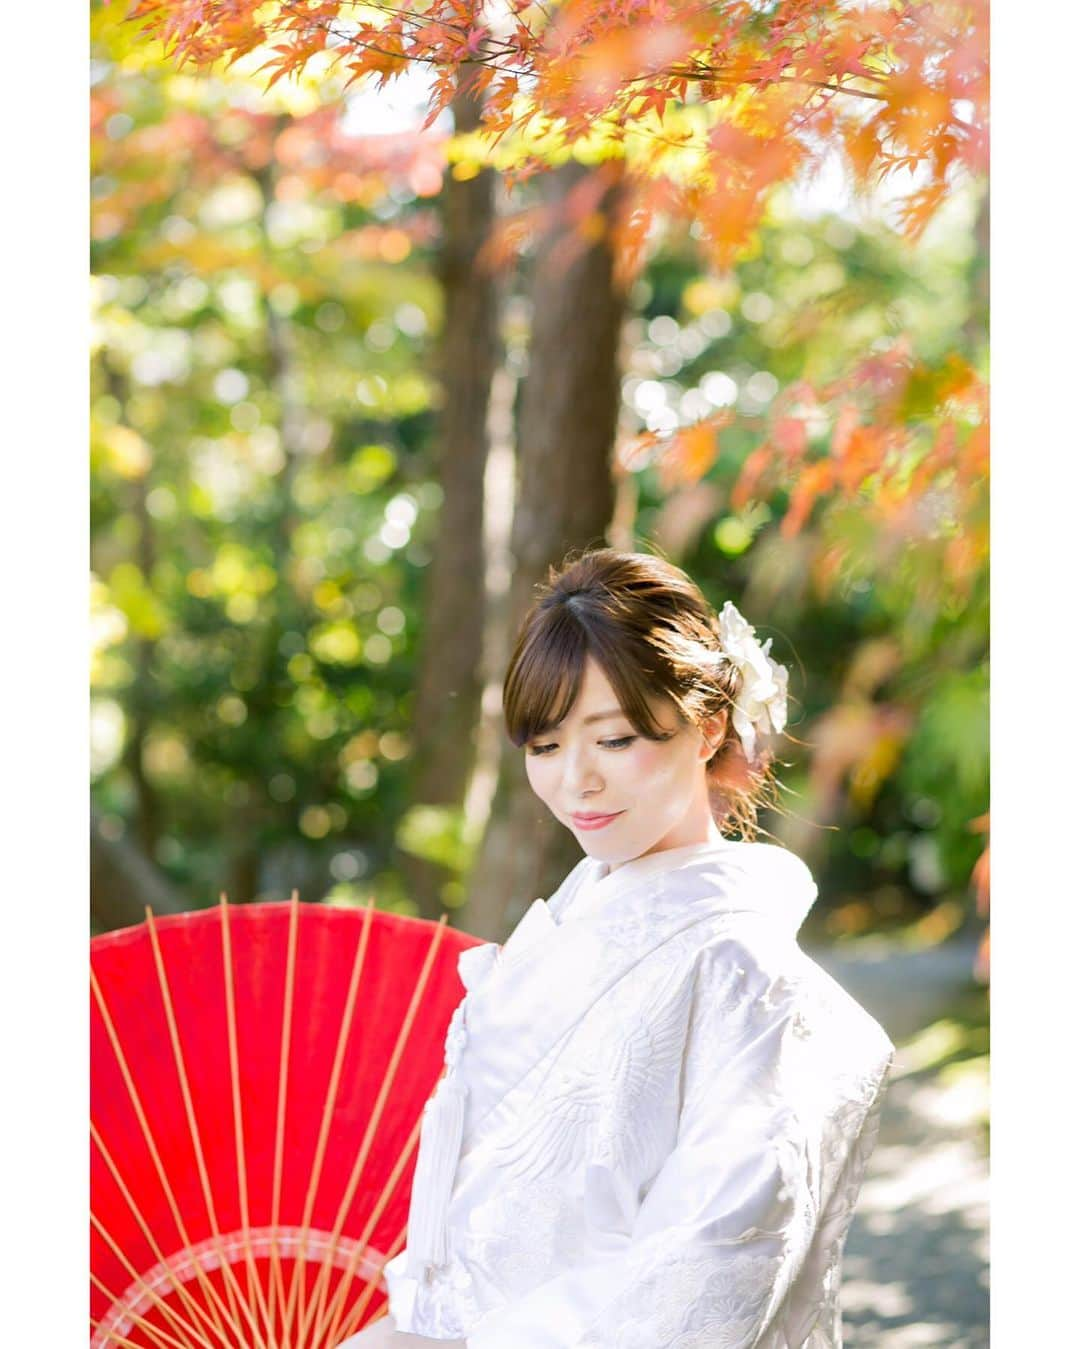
(257,1079)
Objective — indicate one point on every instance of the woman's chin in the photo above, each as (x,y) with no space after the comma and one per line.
(612,851)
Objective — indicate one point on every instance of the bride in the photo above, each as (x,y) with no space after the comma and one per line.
(657,1110)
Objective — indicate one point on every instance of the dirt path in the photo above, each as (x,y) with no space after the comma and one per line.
(916,1259)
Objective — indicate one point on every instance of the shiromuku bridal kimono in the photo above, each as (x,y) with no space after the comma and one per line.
(654,1123)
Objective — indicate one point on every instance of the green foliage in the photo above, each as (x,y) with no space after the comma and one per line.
(264,490)
(261,504)
(437,834)
(947,762)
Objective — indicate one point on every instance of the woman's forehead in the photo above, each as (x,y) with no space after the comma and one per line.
(595,685)
(597,695)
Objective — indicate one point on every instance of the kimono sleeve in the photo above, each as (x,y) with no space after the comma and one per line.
(780,1096)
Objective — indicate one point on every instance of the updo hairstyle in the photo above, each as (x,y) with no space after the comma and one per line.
(653,633)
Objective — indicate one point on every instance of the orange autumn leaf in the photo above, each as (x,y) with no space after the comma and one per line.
(901,88)
(603,67)
(750,476)
(690,453)
(861,456)
(975,456)
(815,481)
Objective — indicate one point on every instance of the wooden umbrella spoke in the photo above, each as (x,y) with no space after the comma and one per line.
(373,1123)
(207,1286)
(276,1278)
(178,1284)
(115,1336)
(296,1285)
(232,1286)
(253,1280)
(337,1306)
(112,1335)
(354,1317)
(161,1337)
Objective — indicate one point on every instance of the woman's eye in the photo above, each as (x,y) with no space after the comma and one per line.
(620,743)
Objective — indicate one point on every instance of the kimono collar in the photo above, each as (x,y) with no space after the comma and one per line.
(523,997)
(772,880)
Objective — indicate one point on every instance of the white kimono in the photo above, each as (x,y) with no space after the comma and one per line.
(654,1123)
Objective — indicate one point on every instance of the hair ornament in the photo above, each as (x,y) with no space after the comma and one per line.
(762,701)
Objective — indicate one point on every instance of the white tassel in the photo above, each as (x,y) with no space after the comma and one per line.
(440,1149)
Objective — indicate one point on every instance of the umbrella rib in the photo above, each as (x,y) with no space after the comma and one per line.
(178,1284)
(114,1335)
(337,1306)
(352,1323)
(277,1279)
(297,1282)
(356,1315)
(373,1123)
(232,1285)
(162,1337)
(254,1282)
(207,1287)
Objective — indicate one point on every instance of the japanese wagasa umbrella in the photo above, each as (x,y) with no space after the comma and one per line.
(258,1075)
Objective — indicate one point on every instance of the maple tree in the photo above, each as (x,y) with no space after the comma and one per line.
(716,102)
(698,113)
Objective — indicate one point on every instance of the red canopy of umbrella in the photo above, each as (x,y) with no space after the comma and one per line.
(257,1078)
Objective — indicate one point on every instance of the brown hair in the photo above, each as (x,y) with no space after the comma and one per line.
(653,633)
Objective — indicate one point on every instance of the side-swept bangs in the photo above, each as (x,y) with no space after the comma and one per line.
(546,669)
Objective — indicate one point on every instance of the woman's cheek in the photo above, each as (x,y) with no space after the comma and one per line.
(539,774)
(662,774)
(647,759)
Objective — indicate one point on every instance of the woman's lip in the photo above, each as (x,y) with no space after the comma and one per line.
(594,821)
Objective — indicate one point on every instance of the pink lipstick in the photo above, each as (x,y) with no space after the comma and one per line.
(594,821)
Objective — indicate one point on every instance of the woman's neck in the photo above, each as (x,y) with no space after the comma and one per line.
(701,832)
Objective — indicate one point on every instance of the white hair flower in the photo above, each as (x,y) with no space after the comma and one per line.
(762,702)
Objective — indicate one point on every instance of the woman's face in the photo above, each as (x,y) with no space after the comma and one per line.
(650,794)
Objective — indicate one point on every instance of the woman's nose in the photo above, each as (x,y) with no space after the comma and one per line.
(580,771)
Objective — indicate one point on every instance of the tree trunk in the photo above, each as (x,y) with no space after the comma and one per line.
(448,680)
(564,500)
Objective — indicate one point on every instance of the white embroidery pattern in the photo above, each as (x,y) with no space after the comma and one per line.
(529,1232)
(609,1097)
(689,1300)
(613,1094)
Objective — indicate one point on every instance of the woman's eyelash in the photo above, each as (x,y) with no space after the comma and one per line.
(620,743)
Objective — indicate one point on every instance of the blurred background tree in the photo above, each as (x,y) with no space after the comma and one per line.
(332,453)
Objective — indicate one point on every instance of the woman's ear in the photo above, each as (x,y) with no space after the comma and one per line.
(712,730)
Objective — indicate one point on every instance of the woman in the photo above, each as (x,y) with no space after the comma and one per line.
(657,1110)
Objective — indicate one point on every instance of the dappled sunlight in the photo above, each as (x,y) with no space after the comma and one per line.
(917,1257)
